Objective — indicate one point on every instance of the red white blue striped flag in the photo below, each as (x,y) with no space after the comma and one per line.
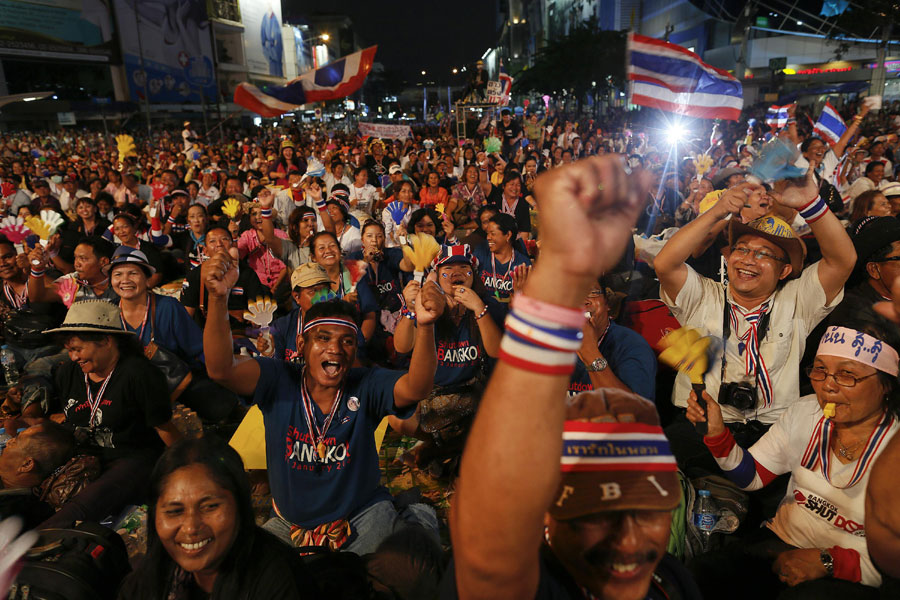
(674,79)
(334,81)
(777,116)
(830,125)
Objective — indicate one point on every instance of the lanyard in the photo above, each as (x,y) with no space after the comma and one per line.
(509,267)
(318,435)
(15,300)
(507,208)
(140,333)
(818,450)
(95,404)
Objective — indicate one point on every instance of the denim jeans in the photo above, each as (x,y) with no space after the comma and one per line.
(370,526)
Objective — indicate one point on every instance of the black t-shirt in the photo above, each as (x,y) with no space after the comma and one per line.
(134,403)
(248,286)
(522,215)
(671,581)
(509,132)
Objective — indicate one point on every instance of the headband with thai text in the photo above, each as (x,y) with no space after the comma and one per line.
(861,347)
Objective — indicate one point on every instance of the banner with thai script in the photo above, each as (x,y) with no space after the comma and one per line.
(382,130)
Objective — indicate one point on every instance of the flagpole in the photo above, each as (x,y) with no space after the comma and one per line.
(222,122)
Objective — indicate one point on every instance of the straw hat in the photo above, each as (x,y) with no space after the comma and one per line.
(92,316)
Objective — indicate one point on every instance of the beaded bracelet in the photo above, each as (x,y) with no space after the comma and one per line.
(814,211)
(482,313)
(407,314)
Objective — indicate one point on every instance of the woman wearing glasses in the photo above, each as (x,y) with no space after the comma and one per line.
(815,546)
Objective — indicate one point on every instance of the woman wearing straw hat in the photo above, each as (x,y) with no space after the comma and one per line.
(116,403)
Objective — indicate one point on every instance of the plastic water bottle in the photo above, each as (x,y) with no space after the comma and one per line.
(4,437)
(8,361)
(705,517)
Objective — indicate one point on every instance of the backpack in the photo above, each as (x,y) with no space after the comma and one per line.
(85,562)
(732,504)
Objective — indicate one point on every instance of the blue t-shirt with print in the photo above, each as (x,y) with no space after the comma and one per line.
(497,277)
(349,480)
(630,358)
(385,282)
(173,329)
(459,357)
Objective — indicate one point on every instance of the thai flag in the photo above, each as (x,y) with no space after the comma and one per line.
(505,85)
(777,116)
(674,79)
(830,125)
(334,81)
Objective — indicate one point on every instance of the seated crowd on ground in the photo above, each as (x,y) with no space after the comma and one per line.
(454,356)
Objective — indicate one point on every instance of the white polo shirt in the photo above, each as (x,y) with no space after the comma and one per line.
(796,308)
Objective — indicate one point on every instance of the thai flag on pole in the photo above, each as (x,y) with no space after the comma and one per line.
(505,85)
(830,125)
(777,116)
(334,81)
(674,79)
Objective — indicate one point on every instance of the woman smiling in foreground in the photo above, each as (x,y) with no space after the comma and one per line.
(816,542)
(203,542)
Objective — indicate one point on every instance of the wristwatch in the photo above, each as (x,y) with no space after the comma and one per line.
(827,561)
(599,364)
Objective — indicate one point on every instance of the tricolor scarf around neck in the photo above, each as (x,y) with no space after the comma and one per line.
(818,449)
(754,365)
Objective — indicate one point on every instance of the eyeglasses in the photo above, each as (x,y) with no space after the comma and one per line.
(595,293)
(842,379)
(743,252)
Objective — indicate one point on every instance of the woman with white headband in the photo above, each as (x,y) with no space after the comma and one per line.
(815,546)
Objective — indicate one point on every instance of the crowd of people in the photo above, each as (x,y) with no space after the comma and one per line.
(500,304)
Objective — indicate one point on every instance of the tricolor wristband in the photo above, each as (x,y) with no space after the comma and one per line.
(814,211)
(320,203)
(541,344)
(551,314)
(266,213)
(37,273)
(170,220)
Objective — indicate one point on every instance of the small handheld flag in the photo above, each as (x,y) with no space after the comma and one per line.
(830,125)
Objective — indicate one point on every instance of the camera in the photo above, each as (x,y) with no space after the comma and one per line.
(741,396)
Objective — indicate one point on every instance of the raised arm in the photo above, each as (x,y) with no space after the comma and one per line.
(669,263)
(40,289)
(851,130)
(266,202)
(516,440)
(838,253)
(418,381)
(237,374)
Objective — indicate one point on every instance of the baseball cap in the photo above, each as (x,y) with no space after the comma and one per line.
(456,254)
(776,231)
(308,275)
(615,456)
(39,183)
(395,168)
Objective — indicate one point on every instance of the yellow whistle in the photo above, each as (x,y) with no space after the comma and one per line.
(829,410)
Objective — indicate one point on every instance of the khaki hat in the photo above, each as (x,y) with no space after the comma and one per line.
(615,456)
(92,316)
(308,275)
(776,231)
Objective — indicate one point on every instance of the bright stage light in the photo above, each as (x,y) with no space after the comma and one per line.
(676,133)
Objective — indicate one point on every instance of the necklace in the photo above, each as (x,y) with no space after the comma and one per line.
(847,451)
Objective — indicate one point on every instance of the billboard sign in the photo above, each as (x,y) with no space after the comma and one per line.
(175,41)
(263,44)
(41,27)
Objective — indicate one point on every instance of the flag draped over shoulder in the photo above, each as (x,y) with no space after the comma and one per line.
(674,79)
(334,81)
(830,125)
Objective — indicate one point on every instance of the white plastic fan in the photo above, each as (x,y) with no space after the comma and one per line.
(260,311)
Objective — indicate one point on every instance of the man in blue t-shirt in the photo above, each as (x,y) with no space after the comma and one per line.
(320,419)
(612,356)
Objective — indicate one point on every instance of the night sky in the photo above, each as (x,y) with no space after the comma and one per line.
(414,36)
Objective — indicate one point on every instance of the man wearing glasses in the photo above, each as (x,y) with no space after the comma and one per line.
(765,313)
